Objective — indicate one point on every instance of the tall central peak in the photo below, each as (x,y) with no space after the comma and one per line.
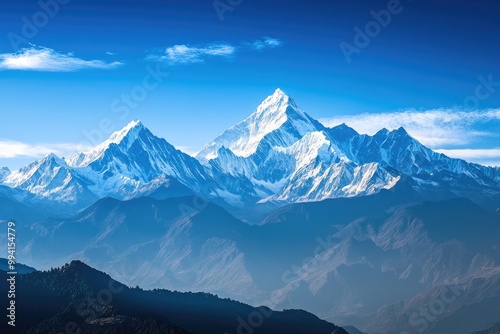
(276,104)
(131,128)
(129,131)
(278,96)
(277,112)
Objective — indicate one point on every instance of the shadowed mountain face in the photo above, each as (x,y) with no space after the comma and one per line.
(13,208)
(409,252)
(78,297)
(324,257)
(184,243)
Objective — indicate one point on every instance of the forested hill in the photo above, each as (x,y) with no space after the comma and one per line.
(79,299)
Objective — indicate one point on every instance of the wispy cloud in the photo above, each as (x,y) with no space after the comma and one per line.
(188,54)
(434,128)
(45,59)
(183,54)
(187,149)
(266,42)
(489,157)
(472,153)
(14,149)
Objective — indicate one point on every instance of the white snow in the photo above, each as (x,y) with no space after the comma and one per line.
(278,153)
(243,138)
(129,133)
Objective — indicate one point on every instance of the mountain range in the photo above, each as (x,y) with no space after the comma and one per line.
(349,260)
(278,155)
(280,211)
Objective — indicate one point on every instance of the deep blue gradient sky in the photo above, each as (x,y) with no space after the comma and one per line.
(429,57)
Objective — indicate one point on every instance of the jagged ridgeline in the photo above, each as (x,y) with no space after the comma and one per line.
(276,156)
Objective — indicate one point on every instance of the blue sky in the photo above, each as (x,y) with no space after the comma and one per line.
(195,70)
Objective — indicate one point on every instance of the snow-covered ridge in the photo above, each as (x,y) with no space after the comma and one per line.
(279,153)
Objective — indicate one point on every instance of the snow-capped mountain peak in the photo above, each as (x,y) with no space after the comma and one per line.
(131,158)
(278,153)
(53,157)
(53,180)
(20,176)
(129,132)
(125,136)
(277,118)
(275,105)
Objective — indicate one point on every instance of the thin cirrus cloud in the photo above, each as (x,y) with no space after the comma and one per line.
(488,157)
(266,42)
(472,153)
(14,149)
(187,149)
(49,60)
(185,54)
